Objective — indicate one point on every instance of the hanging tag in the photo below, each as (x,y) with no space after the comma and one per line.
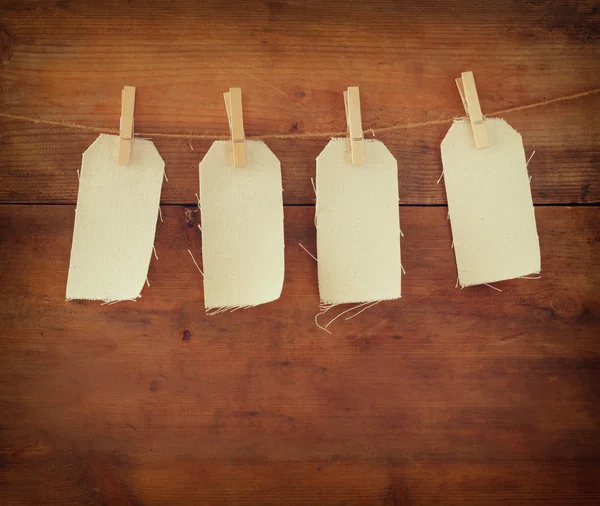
(115,221)
(358,224)
(242,227)
(489,204)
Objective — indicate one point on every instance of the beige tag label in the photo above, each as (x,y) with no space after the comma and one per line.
(115,221)
(242,227)
(358,225)
(489,204)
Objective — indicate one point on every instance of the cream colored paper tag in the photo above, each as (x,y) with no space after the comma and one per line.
(489,204)
(242,227)
(358,225)
(115,221)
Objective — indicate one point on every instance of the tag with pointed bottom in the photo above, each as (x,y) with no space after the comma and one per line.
(115,221)
(489,204)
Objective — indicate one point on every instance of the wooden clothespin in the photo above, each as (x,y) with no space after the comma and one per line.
(126,127)
(233,104)
(470,100)
(354,121)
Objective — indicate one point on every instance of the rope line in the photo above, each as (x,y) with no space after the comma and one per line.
(306,135)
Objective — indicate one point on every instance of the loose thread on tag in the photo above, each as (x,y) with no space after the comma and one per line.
(363,309)
(306,135)
(196,263)
(242,307)
(530,277)
(493,287)
(218,310)
(111,302)
(312,181)
(198,200)
(312,256)
(326,307)
(226,309)
(346,311)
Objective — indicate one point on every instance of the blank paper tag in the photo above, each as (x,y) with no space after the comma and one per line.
(115,221)
(489,204)
(242,227)
(358,225)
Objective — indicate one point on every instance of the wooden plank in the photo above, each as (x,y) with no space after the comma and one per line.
(451,393)
(446,396)
(293,67)
(70,477)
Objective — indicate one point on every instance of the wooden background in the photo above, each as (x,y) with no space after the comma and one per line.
(446,396)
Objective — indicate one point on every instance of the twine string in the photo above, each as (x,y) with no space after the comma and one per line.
(305,135)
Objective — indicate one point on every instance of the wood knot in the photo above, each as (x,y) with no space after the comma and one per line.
(566,308)
(584,192)
(153,386)
(189,216)
(7,44)
(186,335)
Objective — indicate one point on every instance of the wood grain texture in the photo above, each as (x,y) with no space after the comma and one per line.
(444,395)
(69,60)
